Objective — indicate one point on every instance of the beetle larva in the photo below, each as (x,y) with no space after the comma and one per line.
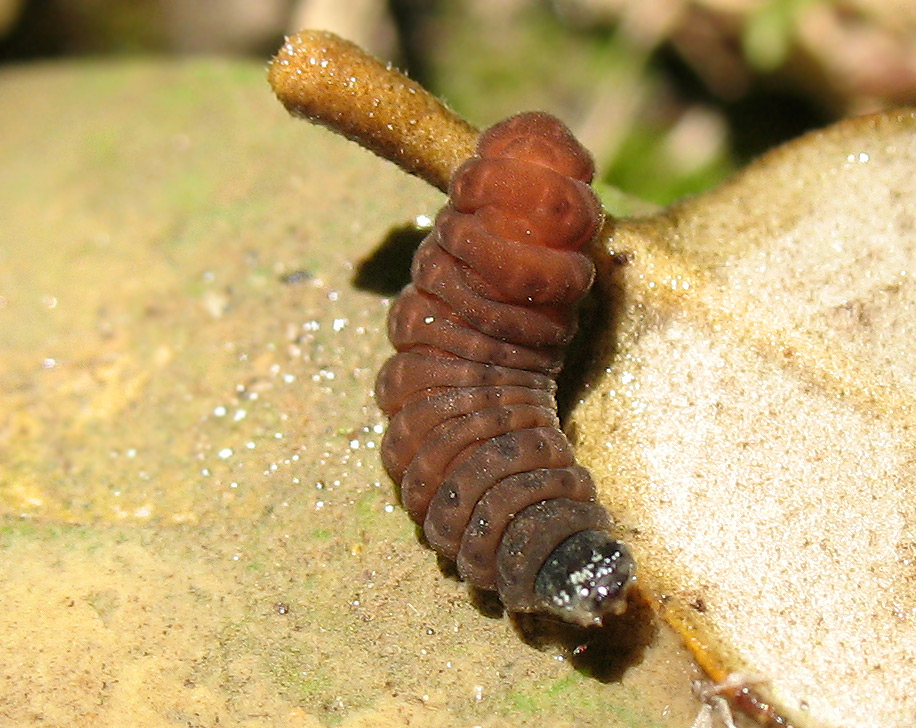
(474,439)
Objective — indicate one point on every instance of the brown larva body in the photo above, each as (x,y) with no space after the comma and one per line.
(474,440)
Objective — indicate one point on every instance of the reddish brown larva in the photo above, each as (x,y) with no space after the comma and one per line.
(474,441)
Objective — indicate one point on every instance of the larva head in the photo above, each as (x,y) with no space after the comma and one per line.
(586,579)
(539,138)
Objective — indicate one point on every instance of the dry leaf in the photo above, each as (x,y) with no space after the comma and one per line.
(754,427)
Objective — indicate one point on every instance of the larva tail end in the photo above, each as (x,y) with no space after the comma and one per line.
(586,579)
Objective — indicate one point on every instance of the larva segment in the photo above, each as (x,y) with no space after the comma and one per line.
(407,374)
(437,272)
(516,272)
(419,319)
(463,444)
(474,440)
(524,203)
(541,139)
(500,503)
(410,427)
(516,451)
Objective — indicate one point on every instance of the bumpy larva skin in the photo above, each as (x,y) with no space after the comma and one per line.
(474,440)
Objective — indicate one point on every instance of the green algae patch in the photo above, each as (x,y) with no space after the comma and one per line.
(194,525)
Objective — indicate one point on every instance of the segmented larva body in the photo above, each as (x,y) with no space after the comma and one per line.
(473,440)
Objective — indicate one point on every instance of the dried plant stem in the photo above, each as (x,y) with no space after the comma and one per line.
(330,81)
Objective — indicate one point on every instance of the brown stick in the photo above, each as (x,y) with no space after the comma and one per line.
(330,81)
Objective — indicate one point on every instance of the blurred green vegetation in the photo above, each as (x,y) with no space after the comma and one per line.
(658,127)
(596,77)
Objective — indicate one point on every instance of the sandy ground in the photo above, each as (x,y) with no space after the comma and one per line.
(195,526)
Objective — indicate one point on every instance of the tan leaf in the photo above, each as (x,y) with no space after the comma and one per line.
(754,426)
